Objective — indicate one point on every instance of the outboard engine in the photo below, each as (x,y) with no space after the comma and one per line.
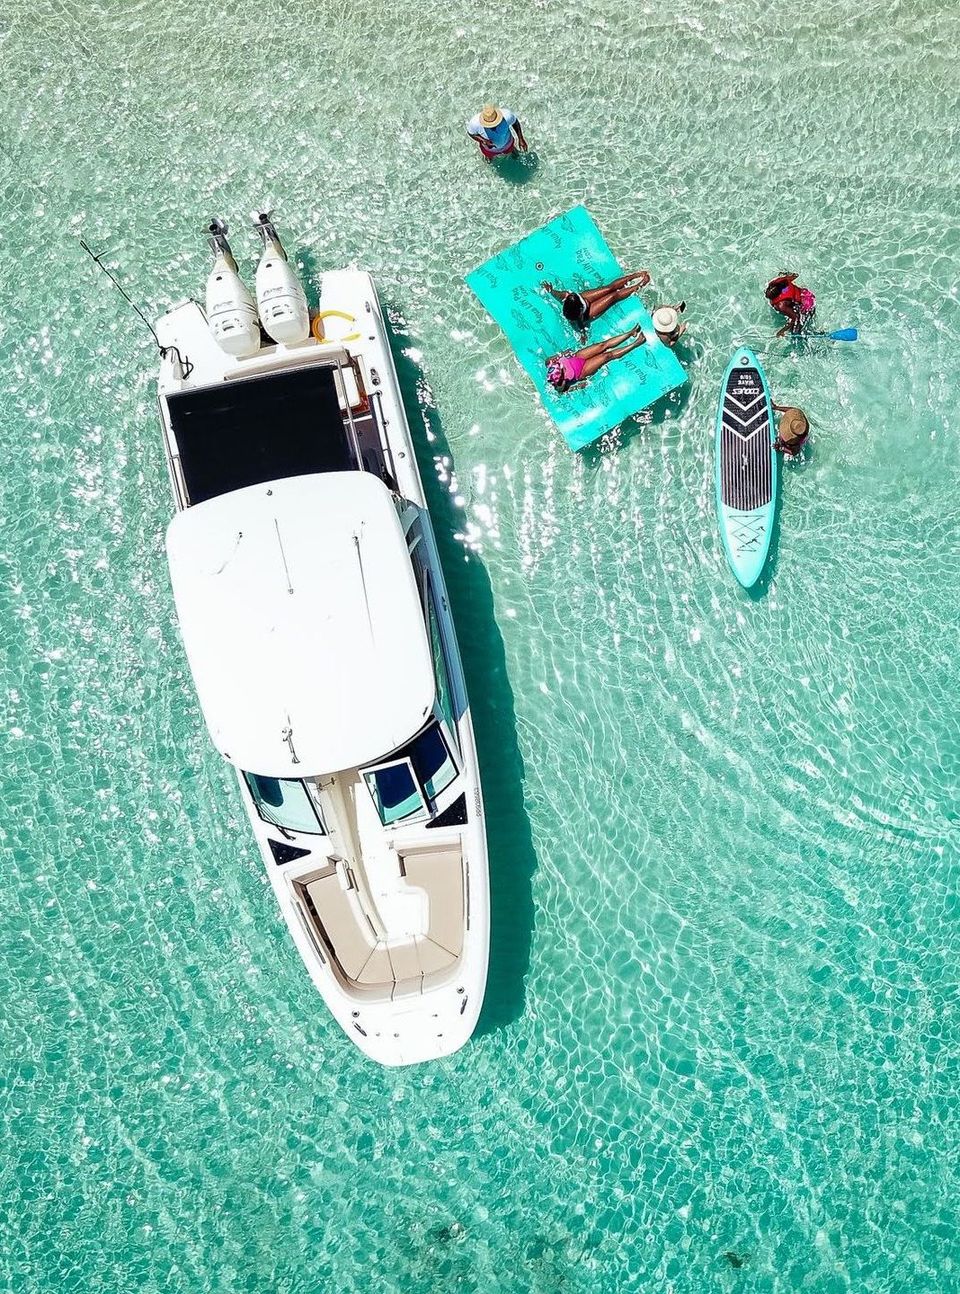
(231,310)
(280,296)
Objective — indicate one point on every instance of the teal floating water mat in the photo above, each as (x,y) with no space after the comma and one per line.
(570,252)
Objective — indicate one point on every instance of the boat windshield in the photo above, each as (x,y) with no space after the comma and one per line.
(285,802)
(395,792)
(431,759)
(417,773)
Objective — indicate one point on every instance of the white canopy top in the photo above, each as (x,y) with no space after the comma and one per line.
(302,623)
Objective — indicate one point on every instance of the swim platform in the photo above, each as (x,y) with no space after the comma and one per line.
(570,252)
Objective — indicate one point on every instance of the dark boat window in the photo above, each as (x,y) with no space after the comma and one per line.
(260,429)
(440,670)
(285,802)
(395,792)
(432,761)
(422,764)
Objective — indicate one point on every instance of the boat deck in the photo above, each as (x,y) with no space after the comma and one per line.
(394,933)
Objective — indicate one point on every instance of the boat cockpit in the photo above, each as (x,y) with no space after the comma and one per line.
(385,925)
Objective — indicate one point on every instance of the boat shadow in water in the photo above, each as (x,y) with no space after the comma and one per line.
(509,837)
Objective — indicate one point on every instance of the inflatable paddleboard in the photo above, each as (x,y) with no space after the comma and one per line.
(746,466)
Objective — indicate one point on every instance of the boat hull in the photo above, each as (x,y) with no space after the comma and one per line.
(425,1016)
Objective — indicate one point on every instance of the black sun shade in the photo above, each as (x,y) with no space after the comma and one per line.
(259,429)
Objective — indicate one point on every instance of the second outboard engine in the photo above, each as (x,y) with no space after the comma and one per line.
(231,311)
(280,296)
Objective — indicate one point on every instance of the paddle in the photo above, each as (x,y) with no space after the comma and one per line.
(841,334)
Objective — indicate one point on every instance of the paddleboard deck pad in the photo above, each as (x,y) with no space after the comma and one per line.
(746,466)
(570,252)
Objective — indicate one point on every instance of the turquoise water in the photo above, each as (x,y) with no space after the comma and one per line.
(723,1011)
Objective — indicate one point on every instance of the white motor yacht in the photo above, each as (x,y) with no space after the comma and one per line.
(316,622)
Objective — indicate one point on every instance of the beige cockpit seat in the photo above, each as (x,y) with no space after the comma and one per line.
(335,912)
(439,873)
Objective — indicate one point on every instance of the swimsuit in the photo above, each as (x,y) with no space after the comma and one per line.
(497,152)
(671,338)
(564,371)
(791,447)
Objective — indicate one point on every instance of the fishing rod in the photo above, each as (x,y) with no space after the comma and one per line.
(186,367)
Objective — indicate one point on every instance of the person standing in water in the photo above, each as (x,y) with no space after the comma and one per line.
(666,322)
(496,132)
(788,298)
(566,371)
(793,431)
(582,307)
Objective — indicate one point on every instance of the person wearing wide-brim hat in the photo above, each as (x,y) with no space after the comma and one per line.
(793,430)
(667,325)
(496,131)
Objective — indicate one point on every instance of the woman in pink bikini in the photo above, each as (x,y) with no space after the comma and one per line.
(567,371)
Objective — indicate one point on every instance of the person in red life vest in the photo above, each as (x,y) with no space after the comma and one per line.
(496,131)
(796,303)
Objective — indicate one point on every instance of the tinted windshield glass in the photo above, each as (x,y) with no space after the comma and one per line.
(432,761)
(444,697)
(284,802)
(395,791)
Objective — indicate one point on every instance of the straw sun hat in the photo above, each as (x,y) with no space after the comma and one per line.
(665,320)
(793,425)
(490,115)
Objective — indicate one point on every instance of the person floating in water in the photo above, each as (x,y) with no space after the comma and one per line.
(797,303)
(496,131)
(567,371)
(581,308)
(793,430)
(666,321)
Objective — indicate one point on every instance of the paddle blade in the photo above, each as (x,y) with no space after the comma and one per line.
(843,334)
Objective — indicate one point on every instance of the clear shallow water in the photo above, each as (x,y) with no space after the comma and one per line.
(723,1009)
